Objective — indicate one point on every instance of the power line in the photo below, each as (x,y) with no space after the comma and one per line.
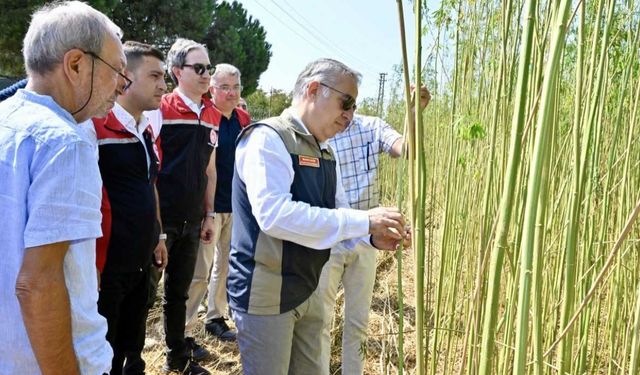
(288,27)
(313,35)
(318,32)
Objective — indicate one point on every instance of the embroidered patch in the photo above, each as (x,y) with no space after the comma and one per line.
(308,161)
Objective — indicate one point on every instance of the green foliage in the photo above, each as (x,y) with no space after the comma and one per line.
(471,131)
(262,105)
(14,22)
(160,22)
(230,34)
(238,39)
(368,107)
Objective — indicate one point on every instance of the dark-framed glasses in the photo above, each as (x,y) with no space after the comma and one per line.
(348,101)
(128,82)
(201,68)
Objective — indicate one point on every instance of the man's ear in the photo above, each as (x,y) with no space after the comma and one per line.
(177,72)
(312,89)
(75,65)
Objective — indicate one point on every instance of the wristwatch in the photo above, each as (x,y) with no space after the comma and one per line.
(163,236)
(211,214)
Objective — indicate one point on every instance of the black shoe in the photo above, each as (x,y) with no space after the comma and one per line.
(220,329)
(198,353)
(189,368)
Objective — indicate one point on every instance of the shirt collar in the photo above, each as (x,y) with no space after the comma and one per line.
(196,108)
(298,119)
(128,121)
(46,101)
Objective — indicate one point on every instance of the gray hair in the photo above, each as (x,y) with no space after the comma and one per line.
(225,69)
(177,55)
(59,27)
(328,71)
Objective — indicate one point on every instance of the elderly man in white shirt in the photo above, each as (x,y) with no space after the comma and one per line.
(289,211)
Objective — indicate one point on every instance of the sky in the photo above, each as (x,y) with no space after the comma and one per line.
(363,34)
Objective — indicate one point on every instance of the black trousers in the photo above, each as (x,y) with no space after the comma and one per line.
(183,239)
(123,302)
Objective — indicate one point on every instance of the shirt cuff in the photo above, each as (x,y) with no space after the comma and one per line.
(356,223)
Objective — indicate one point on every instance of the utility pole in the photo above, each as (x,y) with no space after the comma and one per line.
(380,103)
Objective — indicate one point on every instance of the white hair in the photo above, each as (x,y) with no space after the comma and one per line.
(328,71)
(225,69)
(59,27)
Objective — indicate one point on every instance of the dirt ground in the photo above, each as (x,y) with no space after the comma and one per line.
(381,349)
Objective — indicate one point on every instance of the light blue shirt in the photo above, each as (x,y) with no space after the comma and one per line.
(50,191)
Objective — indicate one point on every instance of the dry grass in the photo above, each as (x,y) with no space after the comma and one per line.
(381,349)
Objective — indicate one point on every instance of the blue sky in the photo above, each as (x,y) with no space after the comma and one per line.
(363,34)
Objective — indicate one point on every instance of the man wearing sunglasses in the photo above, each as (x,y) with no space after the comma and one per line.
(186,185)
(213,258)
(358,149)
(50,194)
(289,210)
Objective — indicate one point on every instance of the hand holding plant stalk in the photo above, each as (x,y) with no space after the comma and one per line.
(387,242)
(425,97)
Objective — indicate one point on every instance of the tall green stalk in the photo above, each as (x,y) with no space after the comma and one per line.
(418,225)
(506,202)
(409,137)
(565,348)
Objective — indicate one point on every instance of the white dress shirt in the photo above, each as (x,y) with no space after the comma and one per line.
(264,165)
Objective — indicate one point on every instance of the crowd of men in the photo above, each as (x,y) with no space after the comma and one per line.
(110,184)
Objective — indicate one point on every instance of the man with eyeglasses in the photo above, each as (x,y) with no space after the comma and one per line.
(130,211)
(358,148)
(213,258)
(50,194)
(186,185)
(289,210)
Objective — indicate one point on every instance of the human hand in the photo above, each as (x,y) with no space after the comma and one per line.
(160,255)
(425,97)
(383,242)
(206,233)
(386,221)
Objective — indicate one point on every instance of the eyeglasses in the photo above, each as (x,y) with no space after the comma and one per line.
(128,82)
(201,68)
(228,89)
(348,101)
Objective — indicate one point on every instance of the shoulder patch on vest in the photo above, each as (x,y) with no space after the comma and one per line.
(308,161)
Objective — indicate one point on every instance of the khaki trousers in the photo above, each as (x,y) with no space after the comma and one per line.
(210,275)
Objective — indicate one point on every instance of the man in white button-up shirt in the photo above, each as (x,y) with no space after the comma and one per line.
(289,211)
(358,149)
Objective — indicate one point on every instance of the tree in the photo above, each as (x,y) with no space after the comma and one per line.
(261,105)
(238,39)
(156,22)
(160,22)
(14,22)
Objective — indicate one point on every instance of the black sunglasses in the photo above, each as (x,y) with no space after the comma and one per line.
(348,101)
(201,68)
(128,82)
